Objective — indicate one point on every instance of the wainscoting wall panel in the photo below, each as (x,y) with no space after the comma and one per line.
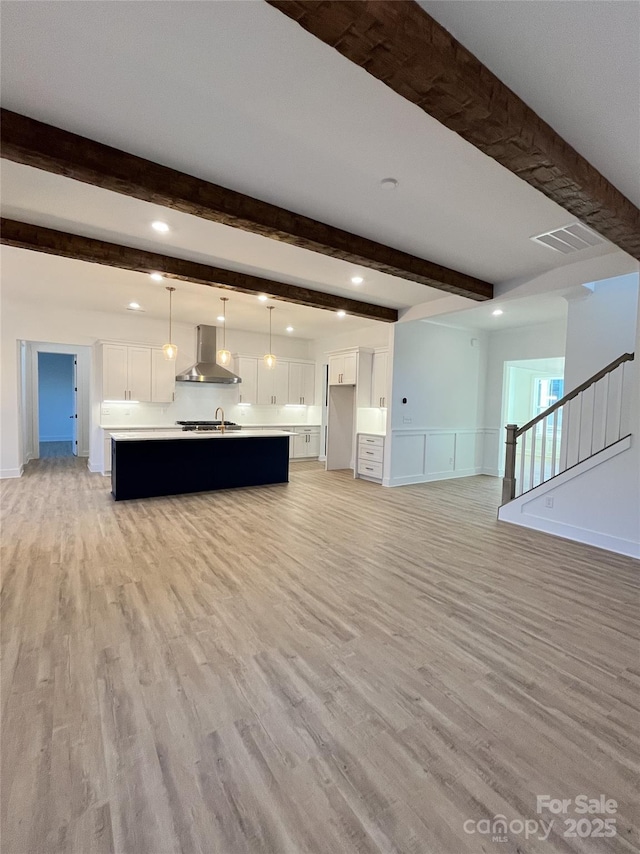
(422,455)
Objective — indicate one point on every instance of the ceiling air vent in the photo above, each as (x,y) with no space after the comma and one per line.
(570,238)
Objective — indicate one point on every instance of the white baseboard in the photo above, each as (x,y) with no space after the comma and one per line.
(579,535)
(431,478)
(8,473)
(94,468)
(56,439)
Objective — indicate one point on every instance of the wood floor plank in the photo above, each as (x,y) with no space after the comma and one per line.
(319,667)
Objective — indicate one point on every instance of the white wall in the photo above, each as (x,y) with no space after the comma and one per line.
(598,502)
(31,322)
(439,431)
(601,325)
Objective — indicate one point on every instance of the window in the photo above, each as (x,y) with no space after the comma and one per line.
(546,392)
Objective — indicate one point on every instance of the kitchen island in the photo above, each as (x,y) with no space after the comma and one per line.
(144,465)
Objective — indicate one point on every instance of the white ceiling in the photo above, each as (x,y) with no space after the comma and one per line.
(527,311)
(577,64)
(237,93)
(47,281)
(35,196)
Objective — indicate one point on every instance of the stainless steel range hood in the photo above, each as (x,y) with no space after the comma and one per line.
(206,369)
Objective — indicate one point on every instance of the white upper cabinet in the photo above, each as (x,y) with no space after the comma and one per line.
(163,377)
(126,373)
(246,367)
(343,369)
(273,383)
(132,372)
(139,372)
(379,382)
(115,381)
(301,383)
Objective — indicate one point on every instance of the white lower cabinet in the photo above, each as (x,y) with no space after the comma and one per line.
(370,456)
(305,443)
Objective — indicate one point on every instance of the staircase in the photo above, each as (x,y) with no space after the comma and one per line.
(583,423)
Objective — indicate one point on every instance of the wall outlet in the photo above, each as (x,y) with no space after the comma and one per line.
(548,502)
(406,420)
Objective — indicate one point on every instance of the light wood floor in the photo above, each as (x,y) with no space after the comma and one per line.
(55,449)
(323,667)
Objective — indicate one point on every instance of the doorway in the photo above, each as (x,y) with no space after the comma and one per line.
(531,386)
(62,398)
(57,405)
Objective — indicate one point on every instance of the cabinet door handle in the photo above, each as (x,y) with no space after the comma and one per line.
(368,468)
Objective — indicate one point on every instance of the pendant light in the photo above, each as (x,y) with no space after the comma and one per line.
(223,357)
(170,350)
(270,359)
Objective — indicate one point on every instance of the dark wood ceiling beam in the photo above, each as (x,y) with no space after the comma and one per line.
(25,140)
(25,235)
(400,44)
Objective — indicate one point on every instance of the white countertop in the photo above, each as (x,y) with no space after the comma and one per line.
(111,428)
(371,433)
(140,435)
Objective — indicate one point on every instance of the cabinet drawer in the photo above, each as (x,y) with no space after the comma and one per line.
(370,468)
(370,452)
(363,439)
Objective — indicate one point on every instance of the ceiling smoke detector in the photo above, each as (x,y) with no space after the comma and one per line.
(569,238)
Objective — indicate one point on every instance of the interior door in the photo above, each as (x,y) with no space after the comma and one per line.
(74,416)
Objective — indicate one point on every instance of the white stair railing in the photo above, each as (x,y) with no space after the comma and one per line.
(582,423)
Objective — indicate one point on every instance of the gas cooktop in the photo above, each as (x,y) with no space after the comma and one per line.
(208,425)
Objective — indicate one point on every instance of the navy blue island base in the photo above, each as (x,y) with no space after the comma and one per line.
(151,467)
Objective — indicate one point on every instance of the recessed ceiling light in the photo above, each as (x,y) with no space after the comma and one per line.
(289,328)
(220,318)
(389,183)
(497,312)
(160,226)
(263,297)
(341,313)
(357,280)
(134,305)
(157,277)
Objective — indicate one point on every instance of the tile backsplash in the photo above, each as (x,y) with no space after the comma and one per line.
(195,402)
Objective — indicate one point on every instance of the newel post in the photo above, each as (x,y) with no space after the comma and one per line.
(509,479)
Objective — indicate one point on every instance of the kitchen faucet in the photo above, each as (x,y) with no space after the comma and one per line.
(215,417)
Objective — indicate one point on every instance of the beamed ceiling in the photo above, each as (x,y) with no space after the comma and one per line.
(262,142)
